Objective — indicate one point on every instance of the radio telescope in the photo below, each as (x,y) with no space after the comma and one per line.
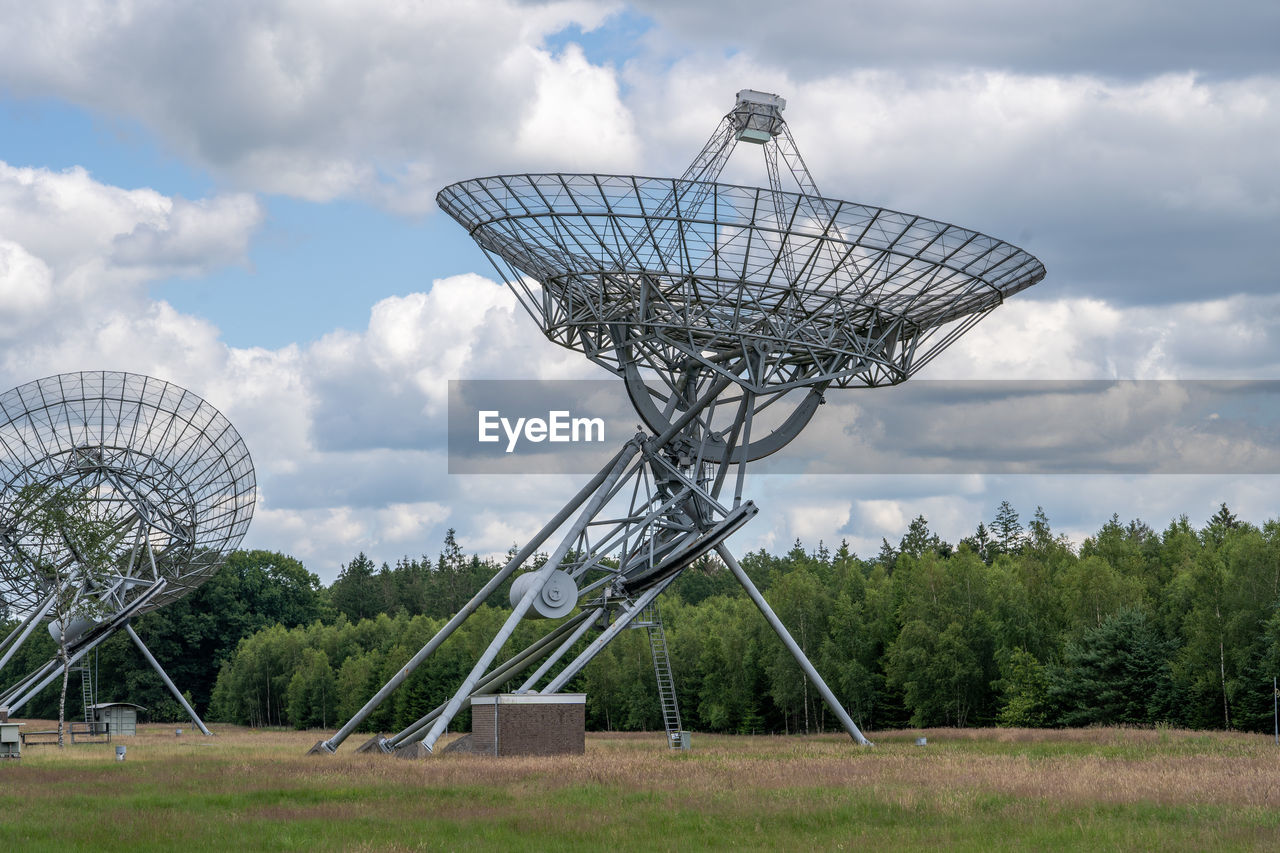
(729,312)
(160,471)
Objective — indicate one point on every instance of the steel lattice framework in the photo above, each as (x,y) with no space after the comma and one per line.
(665,270)
(729,312)
(158,467)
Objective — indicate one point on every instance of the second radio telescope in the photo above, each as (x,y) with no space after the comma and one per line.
(157,468)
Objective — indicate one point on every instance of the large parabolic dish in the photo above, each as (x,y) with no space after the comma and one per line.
(714,302)
(162,468)
(663,270)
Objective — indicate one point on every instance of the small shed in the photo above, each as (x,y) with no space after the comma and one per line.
(528,724)
(121,716)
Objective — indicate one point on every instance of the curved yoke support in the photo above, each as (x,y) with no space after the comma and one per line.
(714,447)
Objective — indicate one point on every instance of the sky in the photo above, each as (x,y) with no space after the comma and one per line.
(239,198)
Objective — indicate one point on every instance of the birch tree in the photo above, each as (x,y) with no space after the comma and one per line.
(69,552)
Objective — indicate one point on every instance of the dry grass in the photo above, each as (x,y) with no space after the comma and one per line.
(976,789)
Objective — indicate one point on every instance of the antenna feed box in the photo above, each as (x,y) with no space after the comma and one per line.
(758,116)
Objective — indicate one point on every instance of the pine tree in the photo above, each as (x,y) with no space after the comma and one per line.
(357,592)
(981,543)
(1223,520)
(887,556)
(1039,534)
(1007,529)
(919,540)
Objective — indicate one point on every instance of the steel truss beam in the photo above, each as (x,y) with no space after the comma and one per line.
(27,688)
(168,682)
(648,514)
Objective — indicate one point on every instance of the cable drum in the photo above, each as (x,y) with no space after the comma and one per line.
(558,596)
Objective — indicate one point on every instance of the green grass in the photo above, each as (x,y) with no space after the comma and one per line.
(1104,789)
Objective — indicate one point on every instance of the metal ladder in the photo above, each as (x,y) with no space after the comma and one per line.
(651,620)
(86,694)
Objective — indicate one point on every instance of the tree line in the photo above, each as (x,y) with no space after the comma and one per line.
(192,637)
(1010,626)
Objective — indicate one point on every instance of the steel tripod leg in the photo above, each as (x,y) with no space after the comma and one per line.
(796,651)
(495,678)
(20,686)
(597,502)
(331,745)
(24,630)
(557,654)
(46,675)
(598,644)
(168,682)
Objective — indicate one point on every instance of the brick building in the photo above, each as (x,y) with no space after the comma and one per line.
(528,724)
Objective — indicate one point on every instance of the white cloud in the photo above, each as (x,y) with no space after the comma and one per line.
(190,237)
(324,538)
(576,119)
(314,536)
(98,235)
(1156,190)
(326,100)
(26,287)
(1154,199)
(1233,338)
(77,256)
(881,516)
(812,521)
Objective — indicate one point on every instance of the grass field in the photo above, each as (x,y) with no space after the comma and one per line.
(1004,789)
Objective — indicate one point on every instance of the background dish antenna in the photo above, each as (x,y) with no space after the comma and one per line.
(158,468)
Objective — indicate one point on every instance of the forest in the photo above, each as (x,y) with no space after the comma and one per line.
(1011,626)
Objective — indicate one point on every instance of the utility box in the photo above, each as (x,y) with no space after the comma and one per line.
(10,741)
(121,718)
(529,724)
